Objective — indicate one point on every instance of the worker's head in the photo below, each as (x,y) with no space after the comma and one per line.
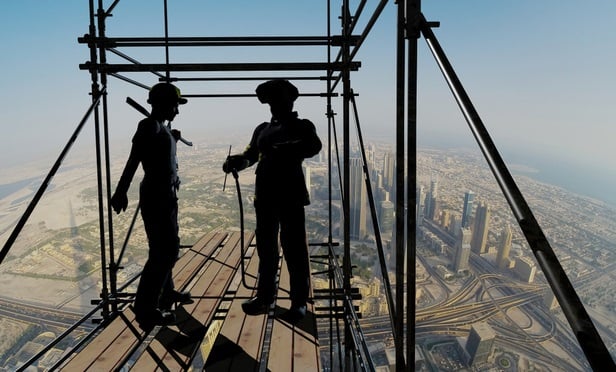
(165,98)
(279,94)
(165,93)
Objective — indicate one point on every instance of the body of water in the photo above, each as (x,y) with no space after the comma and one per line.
(583,179)
(587,180)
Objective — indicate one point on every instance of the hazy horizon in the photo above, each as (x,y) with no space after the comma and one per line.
(576,178)
(540,84)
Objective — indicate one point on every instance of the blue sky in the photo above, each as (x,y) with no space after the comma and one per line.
(540,73)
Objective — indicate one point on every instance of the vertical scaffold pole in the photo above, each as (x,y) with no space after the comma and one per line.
(330,238)
(102,18)
(346,84)
(400,192)
(413,10)
(95,92)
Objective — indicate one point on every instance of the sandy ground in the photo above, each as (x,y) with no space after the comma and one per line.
(60,207)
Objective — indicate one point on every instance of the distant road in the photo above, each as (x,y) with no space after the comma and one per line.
(37,314)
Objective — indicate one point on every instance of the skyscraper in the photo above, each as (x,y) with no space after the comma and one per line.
(426,204)
(371,159)
(386,218)
(358,200)
(431,198)
(455,223)
(525,269)
(504,246)
(420,204)
(467,210)
(445,219)
(463,250)
(480,228)
(388,171)
(479,342)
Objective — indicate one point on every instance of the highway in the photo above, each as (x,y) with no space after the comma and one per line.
(38,314)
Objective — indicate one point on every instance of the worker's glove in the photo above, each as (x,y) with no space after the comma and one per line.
(234,162)
(119,201)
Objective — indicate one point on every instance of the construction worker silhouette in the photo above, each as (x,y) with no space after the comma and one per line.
(279,146)
(154,146)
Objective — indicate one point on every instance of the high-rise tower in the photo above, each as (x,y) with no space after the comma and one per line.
(467,210)
(431,198)
(358,200)
(462,251)
(480,229)
(420,205)
(504,246)
(386,218)
(388,171)
(479,343)
(434,188)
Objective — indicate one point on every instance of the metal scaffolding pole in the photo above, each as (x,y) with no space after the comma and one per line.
(413,10)
(104,295)
(400,191)
(346,264)
(102,17)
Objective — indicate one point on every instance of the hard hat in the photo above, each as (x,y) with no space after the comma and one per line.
(165,92)
(277,89)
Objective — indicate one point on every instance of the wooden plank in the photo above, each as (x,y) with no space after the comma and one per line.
(99,346)
(293,346)
(250,339)
(213,282)
(176,346)
(238,345)
(280,357)
(113,344)
(189,263)
(195,328)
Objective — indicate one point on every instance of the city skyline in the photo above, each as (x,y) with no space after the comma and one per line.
(464,261)
(455,177)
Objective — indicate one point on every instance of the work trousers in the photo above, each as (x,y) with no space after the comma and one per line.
(289,220)
(160,221)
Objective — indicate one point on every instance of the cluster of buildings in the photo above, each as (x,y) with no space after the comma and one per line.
(467,232)
(381,188)
(466,229)
(457,226)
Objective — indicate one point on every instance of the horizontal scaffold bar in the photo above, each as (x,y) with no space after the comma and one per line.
(242,95)
(216,41)
(187,67)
